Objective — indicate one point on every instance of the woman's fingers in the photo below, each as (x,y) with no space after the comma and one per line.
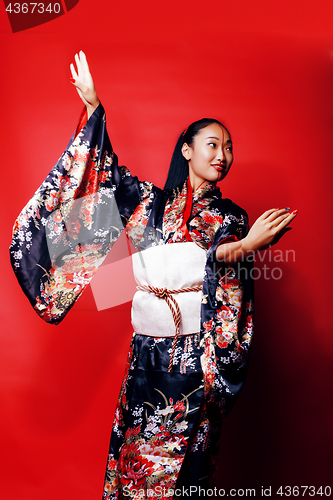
(275,215)
(286,221)
(83,65)
(272,213)
(84,61)
(78,64)
(81,73)
(78,73)
(276,212)
(266,214)
(278,219)
(74,74)
(77,83)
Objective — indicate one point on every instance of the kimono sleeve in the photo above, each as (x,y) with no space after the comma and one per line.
(227,323)
(65,231)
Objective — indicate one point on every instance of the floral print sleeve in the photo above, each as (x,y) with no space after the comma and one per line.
(227,318)
(65,231)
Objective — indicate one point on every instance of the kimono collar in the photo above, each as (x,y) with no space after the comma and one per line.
(191,198)
(208,190)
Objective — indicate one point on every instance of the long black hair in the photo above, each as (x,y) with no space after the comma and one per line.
(178,170)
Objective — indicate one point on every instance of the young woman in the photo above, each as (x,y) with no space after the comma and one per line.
(193,312)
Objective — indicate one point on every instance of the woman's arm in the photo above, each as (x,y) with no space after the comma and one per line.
(65,231)
(82,80)
(266,231)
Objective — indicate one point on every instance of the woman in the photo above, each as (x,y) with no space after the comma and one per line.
(192,314)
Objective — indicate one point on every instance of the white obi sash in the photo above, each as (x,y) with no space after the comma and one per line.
(172,266)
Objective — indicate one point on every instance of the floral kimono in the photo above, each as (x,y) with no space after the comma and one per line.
(167,423)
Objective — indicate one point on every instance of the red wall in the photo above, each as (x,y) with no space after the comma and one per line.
(263,67)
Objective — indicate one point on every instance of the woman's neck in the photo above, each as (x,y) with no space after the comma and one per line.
(196,182)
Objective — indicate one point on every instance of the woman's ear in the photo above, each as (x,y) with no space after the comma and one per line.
(186,151)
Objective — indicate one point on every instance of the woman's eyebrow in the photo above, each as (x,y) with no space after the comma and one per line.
(229,141)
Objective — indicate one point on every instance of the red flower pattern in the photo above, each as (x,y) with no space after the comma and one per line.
(179,406)
(134,469)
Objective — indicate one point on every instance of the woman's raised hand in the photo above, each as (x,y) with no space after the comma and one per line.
(268,229)
(82,80)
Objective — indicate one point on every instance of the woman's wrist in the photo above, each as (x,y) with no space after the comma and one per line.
(230,252)
(91,107)
(247,246)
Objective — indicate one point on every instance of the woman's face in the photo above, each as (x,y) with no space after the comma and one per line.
(210,156)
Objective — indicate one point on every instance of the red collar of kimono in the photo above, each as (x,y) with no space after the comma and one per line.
(187,211)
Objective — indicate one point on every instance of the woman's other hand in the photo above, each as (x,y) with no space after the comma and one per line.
(82,80)
(268,229)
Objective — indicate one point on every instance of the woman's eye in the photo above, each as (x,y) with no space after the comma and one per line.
(212,144)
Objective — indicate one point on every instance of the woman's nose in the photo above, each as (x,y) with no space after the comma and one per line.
(220,155)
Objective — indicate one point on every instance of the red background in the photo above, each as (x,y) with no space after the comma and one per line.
(263,67)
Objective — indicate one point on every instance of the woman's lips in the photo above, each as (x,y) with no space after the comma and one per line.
(218,166)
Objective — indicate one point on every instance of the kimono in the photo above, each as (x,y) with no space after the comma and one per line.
(167,423)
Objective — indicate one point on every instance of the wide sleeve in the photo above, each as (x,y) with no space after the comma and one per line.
(227,318)
(64,233)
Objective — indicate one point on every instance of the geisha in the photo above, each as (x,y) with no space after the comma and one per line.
(192,314)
